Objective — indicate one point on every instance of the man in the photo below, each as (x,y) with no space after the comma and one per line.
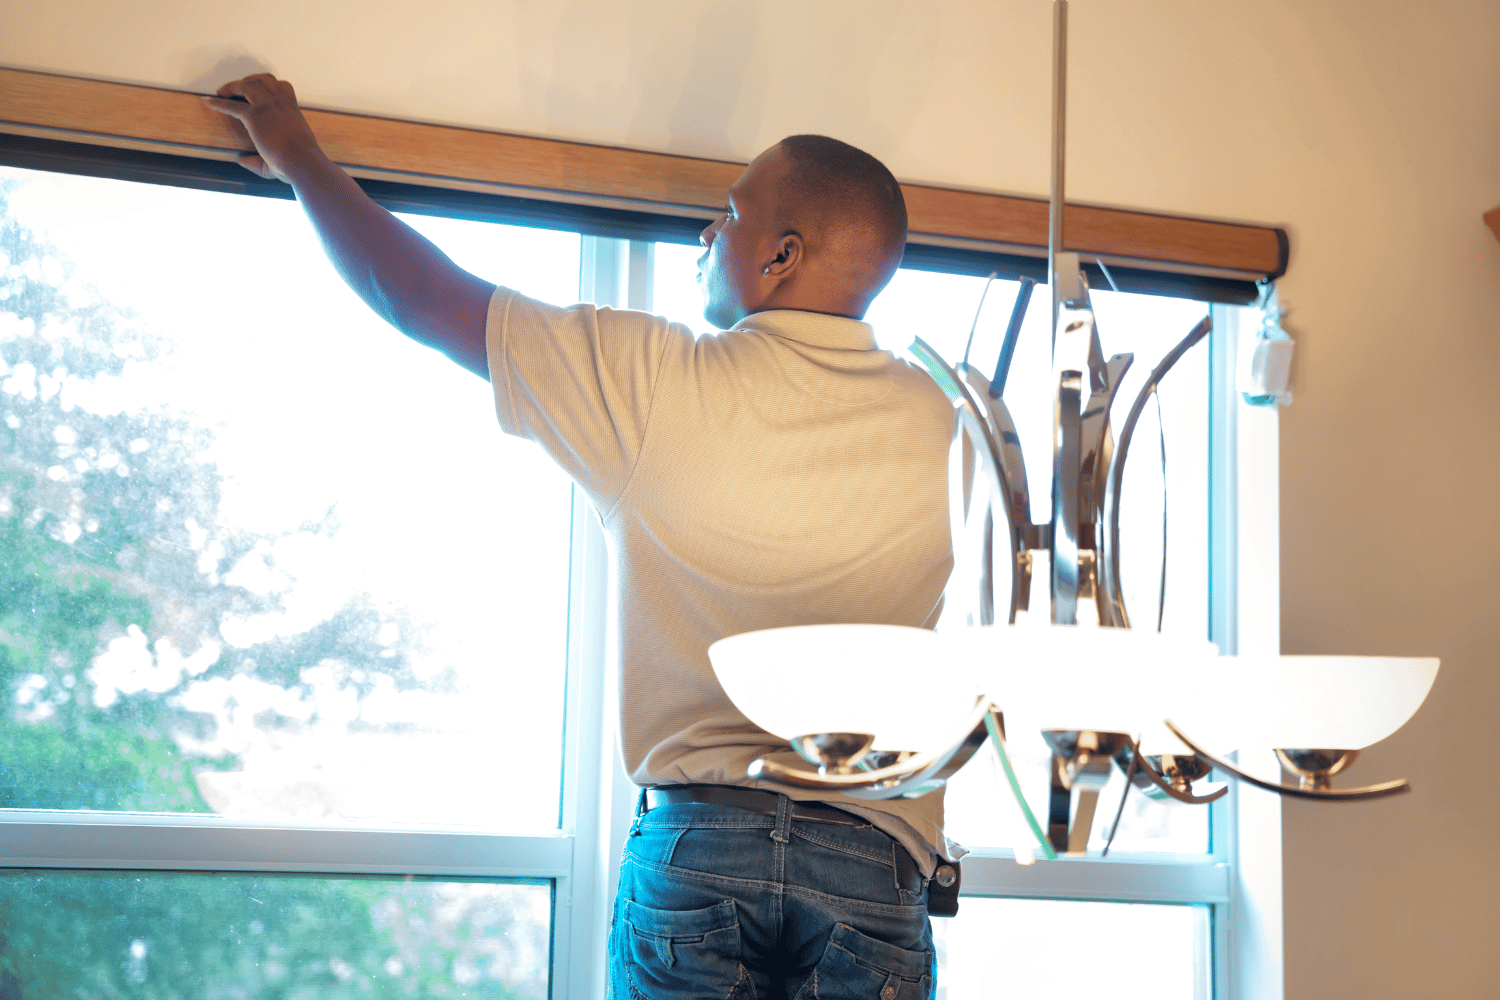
(784,472)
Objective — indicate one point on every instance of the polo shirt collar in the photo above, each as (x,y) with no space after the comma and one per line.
(814,329)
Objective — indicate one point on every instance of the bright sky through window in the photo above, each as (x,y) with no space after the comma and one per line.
(370,469)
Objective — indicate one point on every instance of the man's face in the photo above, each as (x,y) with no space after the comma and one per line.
(741,242)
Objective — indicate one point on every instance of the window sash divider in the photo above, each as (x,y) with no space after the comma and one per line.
(107,843)
(1167,881)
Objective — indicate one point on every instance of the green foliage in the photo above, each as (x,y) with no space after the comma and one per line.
(99,769)
(54,608)
(87,546)
(163,936)
(109,528)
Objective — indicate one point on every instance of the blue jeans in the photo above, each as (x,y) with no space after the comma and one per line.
(718,902)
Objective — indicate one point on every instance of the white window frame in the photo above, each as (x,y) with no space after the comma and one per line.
(1246,619)
(1240,877)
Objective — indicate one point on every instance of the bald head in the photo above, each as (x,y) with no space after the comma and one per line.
(813,223)
(852,198)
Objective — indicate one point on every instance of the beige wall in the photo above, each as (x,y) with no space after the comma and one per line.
(1371,130)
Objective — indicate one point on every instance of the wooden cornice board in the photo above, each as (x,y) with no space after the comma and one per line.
(83,110)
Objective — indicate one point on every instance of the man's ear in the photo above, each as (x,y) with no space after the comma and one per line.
(788,257)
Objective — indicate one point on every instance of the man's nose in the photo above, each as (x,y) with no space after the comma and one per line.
(709,232)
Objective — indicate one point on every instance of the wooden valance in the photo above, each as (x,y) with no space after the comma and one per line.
(91,111)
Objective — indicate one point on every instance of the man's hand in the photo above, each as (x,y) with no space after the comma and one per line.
(403,277)
(270,114)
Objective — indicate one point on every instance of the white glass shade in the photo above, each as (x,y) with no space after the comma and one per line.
(1113,680)
(1308,702)
(909,687)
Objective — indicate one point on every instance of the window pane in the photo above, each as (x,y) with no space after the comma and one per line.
(152,934)
(1066,948)
(260,554)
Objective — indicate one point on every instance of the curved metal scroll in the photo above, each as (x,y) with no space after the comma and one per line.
(978,604)
(915,775)
(989,427)
(968,422)
(1012,334)
(1097,445)
(1143,766)
(1007,443)
(1065,458)
(1345,795)
(1109,556)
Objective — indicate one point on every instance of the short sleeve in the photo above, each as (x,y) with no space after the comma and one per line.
(579,381)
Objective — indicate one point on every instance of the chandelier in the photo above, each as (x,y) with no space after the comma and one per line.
(1163,709)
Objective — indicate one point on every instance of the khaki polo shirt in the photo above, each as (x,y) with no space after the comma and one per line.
(783,472)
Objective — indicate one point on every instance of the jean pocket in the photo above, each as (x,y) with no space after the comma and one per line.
(856,966)
(670,953)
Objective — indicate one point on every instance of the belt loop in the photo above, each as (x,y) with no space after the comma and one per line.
(783,831)
(908,875)
(640,810)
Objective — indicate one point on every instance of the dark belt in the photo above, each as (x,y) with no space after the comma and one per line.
(942,887)
(750,799)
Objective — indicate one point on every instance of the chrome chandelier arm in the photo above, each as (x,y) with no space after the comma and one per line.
(967,422)
(1012,335)
(1097,444)
(1065,423)
(1345,795)
(971,530)
(1077,370)
(979,603)
(1143,766)
(1109,556)
(914,775)
(1096,435)
(993,432)
(1007,443)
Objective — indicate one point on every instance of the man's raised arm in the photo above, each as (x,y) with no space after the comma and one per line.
(396,270)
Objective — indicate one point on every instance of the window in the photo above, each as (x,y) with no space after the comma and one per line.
(259,569)
(230,504)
